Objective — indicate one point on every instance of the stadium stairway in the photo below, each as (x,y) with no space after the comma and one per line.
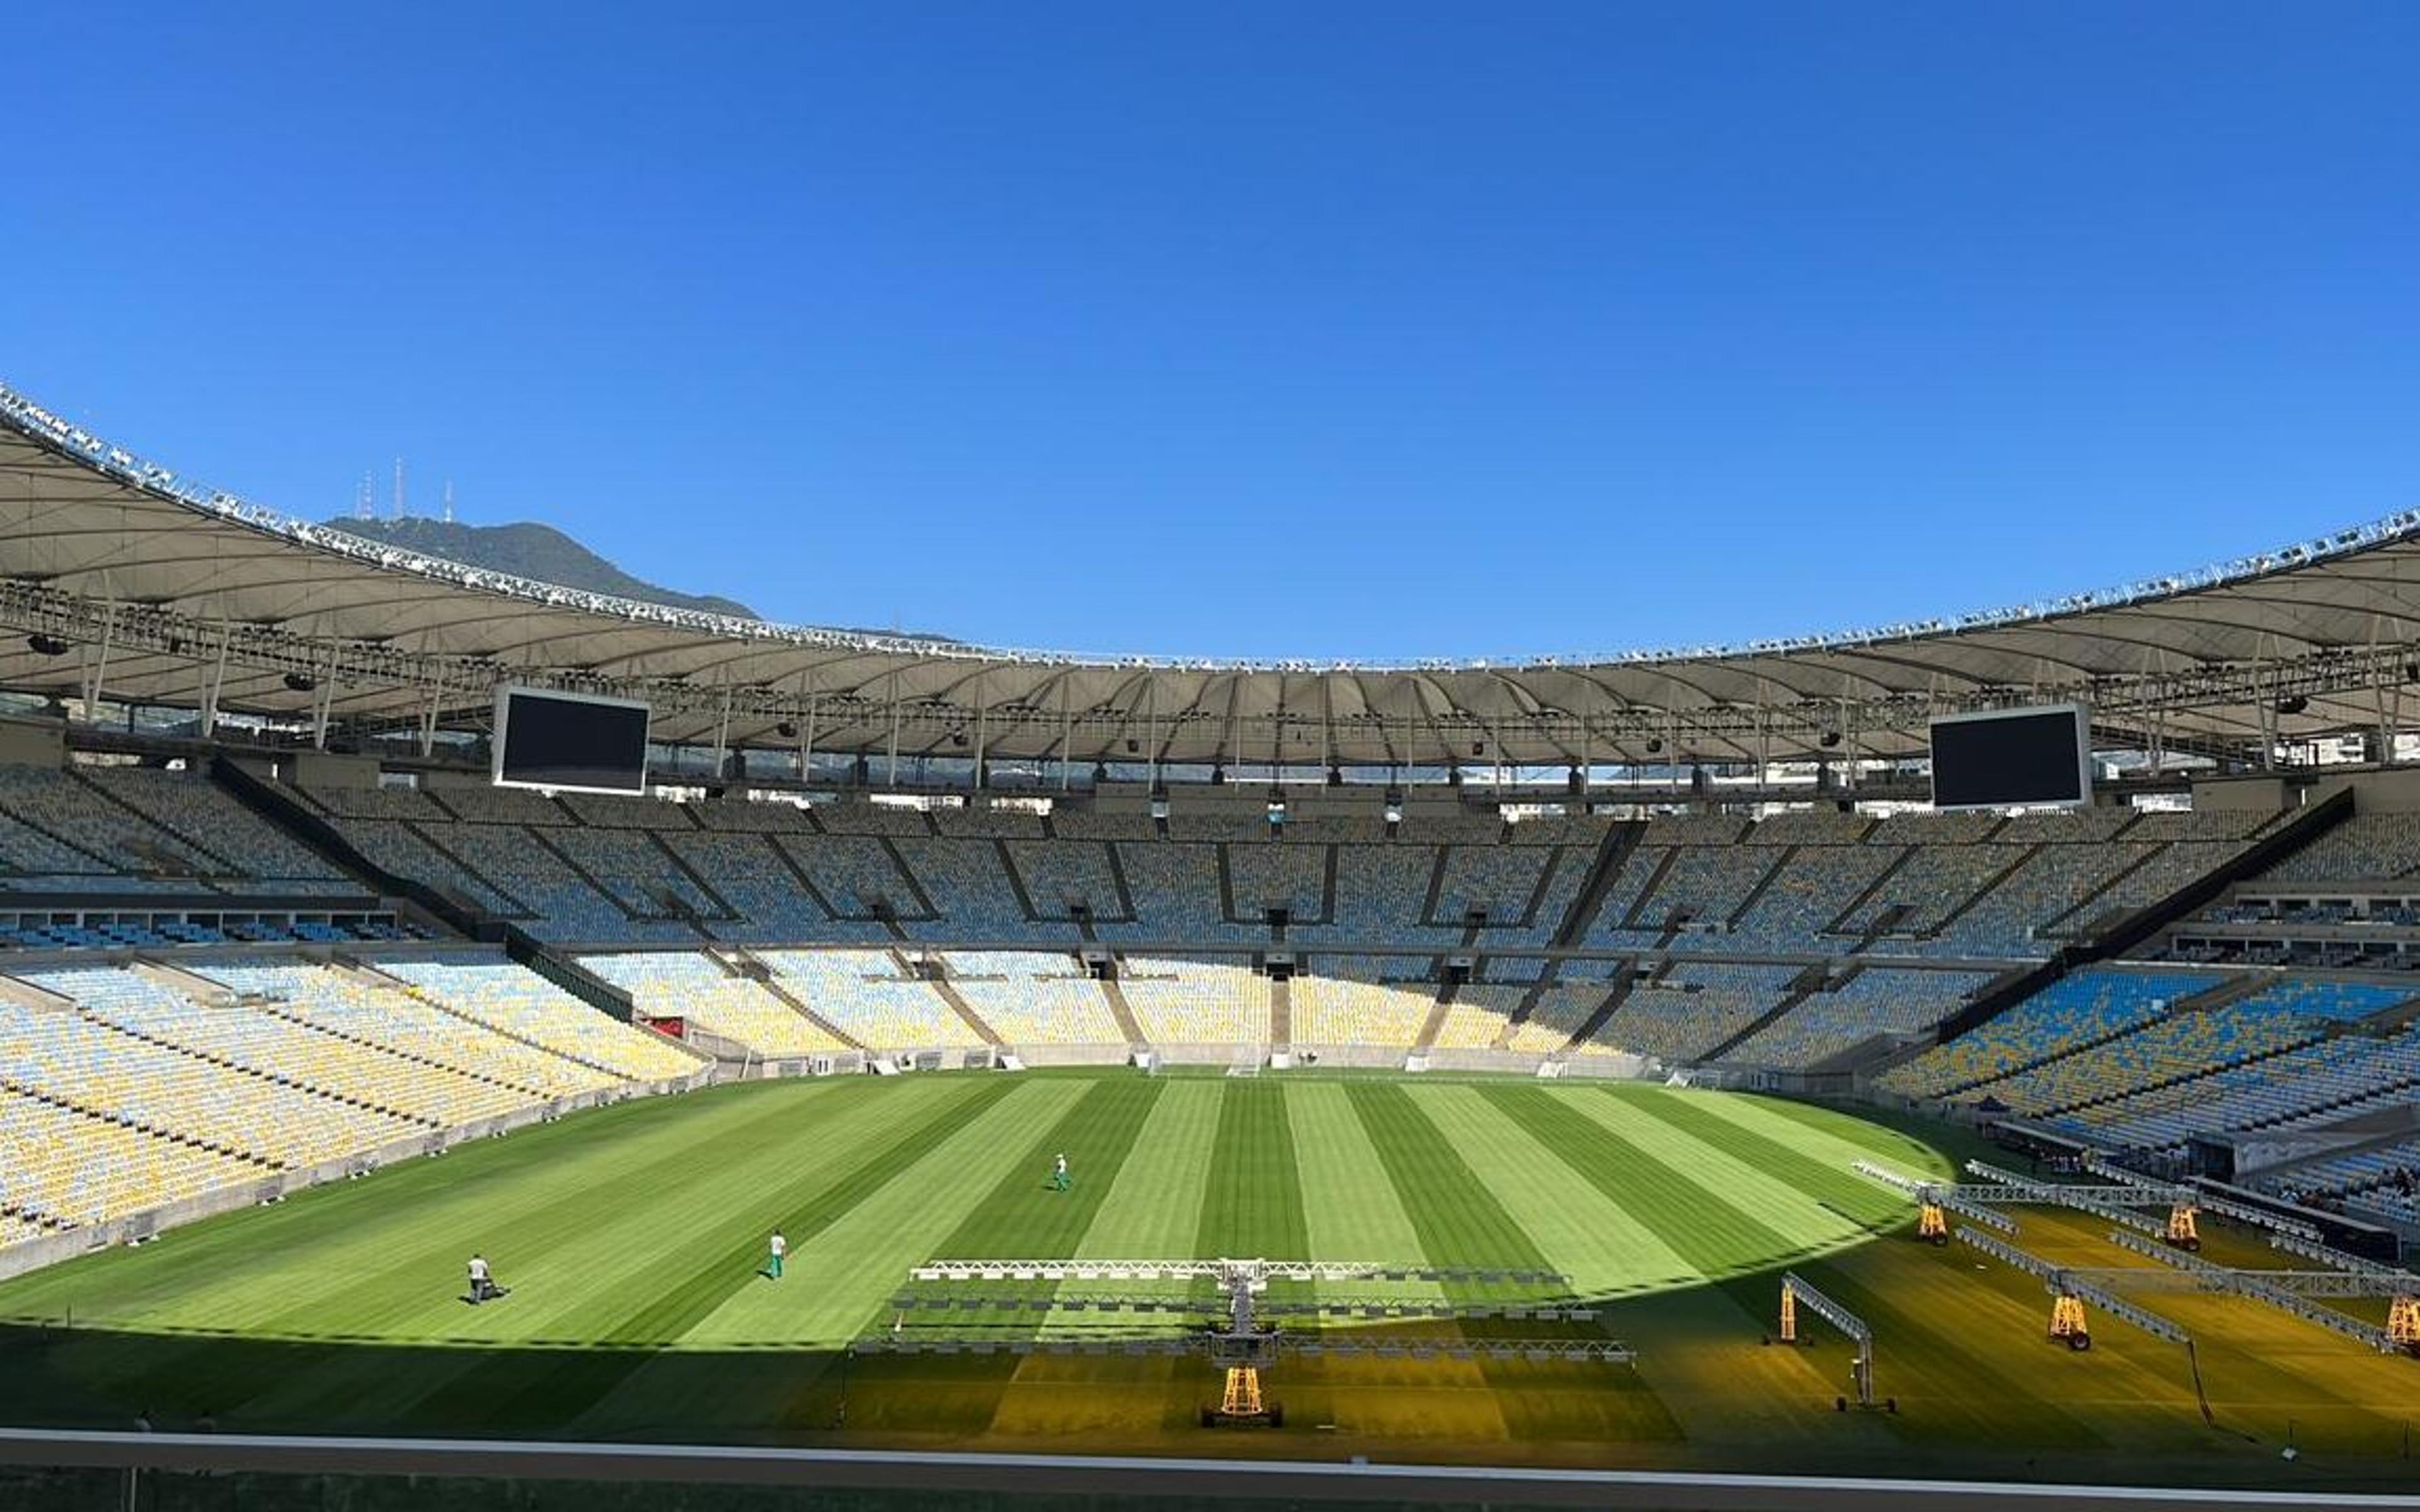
(1435,1024)
(1528,1005)
(193,842)
(1436,886)
(1616,991)
(2075,923)
(1024,897)
(1280,1012)
(958,1002)
(1779,864)
(1612,855)
(1839,924)
(706,890)
(280,808)
(1991,885)
(1634,917)
(1802,986)
(1123,1012)
(739,961)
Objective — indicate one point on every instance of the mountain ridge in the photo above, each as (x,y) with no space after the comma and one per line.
(528,549)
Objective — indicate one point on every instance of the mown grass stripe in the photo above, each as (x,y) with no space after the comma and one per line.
(1830,1138)
(689,1284)
(1600,1242)
(1821,1205)
(1021,1217)
(1251,1204)
(1351,1209)
(840,1276)
(1152,1210)
(1709,1232)
(1457,1213)
(1452,1192)
(1153,1198)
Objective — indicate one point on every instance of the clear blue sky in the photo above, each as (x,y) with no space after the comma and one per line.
(1377,329)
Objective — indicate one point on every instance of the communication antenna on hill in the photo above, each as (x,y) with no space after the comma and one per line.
(362,508)
(449,501)
(399,488)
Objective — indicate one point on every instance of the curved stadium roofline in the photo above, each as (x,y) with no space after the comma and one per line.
(20,413)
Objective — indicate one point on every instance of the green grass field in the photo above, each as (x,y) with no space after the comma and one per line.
(633,1238)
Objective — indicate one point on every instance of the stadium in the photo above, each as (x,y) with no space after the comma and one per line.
(1625,1064)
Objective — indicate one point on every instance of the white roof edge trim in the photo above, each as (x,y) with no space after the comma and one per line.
(24,415)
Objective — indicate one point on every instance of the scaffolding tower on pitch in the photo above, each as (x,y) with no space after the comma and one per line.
(1240,1332)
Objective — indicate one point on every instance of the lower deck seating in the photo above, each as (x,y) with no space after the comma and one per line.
(1692,1009)
(1196,1002)
(519,1003)
(1876,1001)
(1478,1016)
(76,1168)
(2071,1011)
(689,986)
(1030,997)
(1560,1011)
(1344,1003)
(863,995)
(383,1015)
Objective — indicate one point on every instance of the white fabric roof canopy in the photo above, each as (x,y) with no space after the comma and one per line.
(188,589)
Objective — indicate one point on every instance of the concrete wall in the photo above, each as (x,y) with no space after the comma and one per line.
(33,743)
(322,769)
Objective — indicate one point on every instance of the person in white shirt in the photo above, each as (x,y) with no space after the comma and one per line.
(780,1247)
(1059,1181)
(483,1282)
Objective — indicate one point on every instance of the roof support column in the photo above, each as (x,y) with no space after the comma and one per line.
(723,732)
(323,701)
(1066,736)
(807,733)
(893,781)
(982,729)
(216,683)
(428,716)
(2386,687)
(1151,727)
(96,667)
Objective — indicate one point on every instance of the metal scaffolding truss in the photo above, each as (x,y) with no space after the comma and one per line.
(1606,1351)
(2277,1222)
(2062,1281)
(2284,1290)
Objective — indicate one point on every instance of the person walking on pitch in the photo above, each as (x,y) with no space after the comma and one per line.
(1059,1175)
(777,1247)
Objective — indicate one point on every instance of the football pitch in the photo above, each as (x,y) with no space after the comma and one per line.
(634,1239)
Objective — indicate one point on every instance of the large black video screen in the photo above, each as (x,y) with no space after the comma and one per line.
(2018,756)
(558,740)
